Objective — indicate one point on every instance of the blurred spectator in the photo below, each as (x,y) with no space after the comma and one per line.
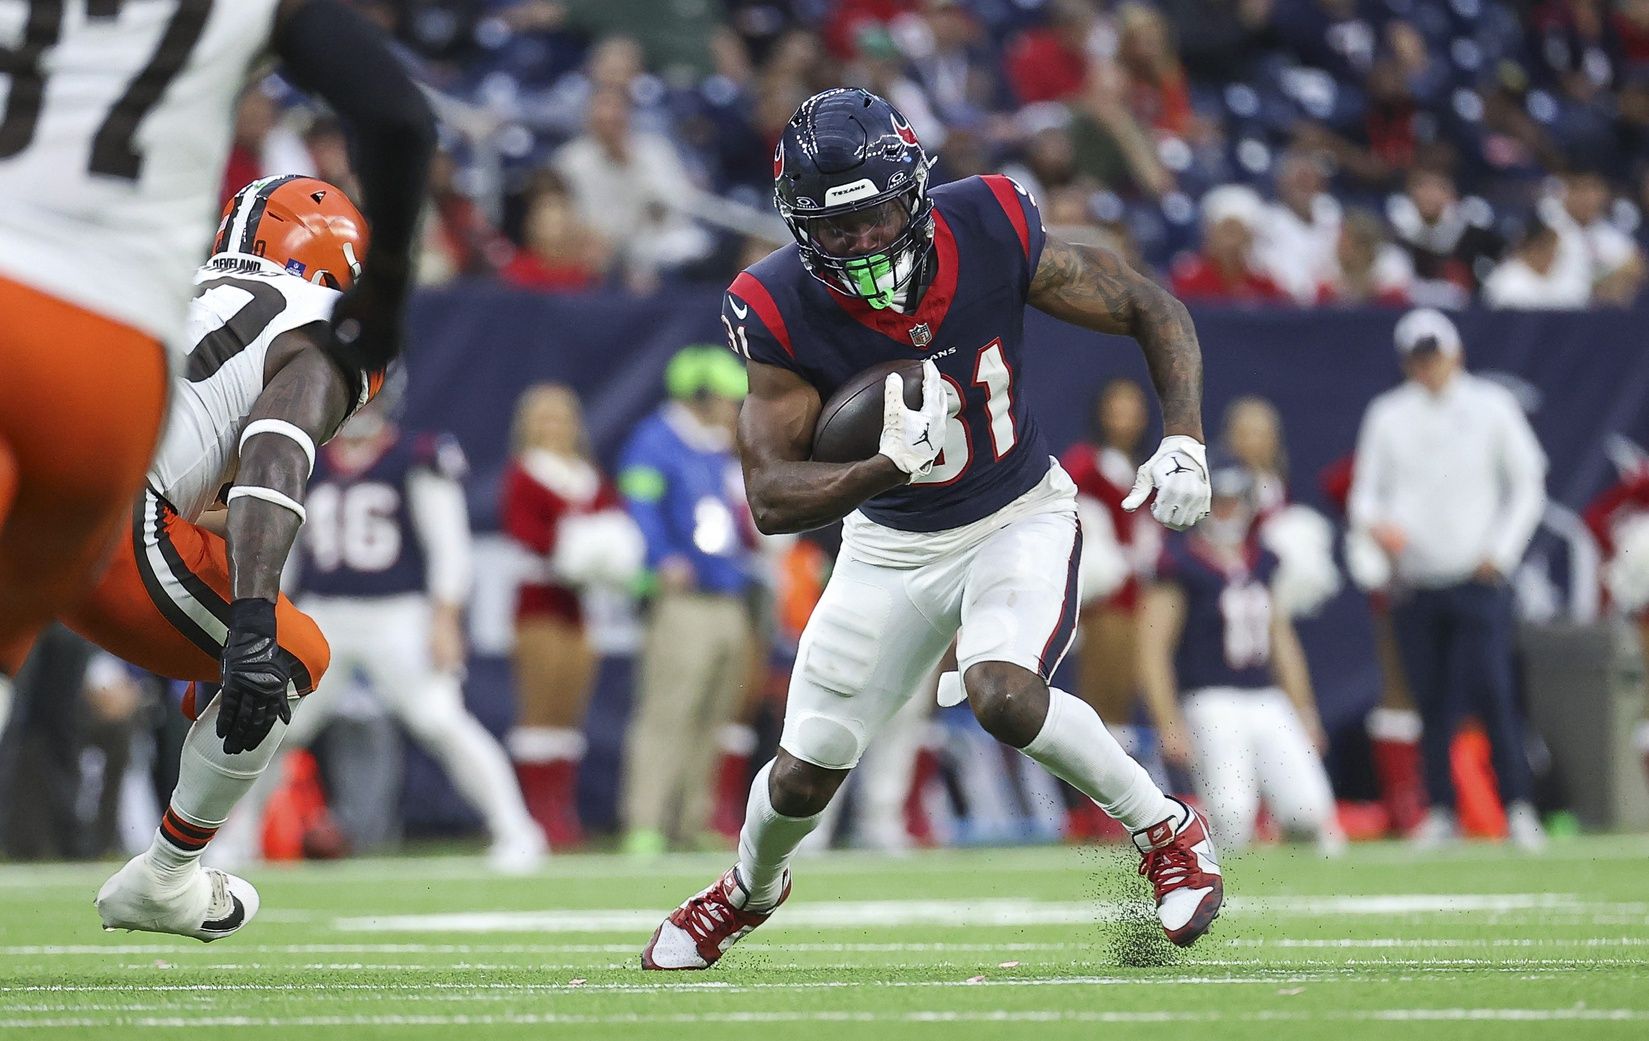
(1449,242)
(1157,91)
(1252,433)
(1302,539)
(880,70)
(1450,484)
(680,479)
(952,58)
(559,250)
(1052,62)
(1220,41)
(561,511)
(1369,269)
(459,240)
(1592,251)
(1531,278)
(1225,270)
(1336,36)
(1298,233)
(1047,159)
(1385,138)
(631,188)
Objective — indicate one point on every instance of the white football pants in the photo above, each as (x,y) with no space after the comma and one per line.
(1249,745)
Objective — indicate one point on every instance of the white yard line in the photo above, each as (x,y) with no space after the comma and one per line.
(1007,912)
(926,1016)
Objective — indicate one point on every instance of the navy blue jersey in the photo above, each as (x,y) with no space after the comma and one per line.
(1226,641)
(359,538)
(988,236)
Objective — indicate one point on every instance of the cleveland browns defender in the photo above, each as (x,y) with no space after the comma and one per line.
(962,526)
(193,592)
(115,120)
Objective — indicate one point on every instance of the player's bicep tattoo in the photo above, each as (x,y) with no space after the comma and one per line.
(1093,287)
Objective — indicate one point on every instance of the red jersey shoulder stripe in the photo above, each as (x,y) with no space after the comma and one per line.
(747,288)
(1008,197)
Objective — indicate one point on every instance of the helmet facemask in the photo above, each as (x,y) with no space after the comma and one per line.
(874,250)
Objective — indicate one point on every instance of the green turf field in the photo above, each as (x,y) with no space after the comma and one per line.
(1041,944)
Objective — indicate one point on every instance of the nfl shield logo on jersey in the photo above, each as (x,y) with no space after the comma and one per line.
(921,335)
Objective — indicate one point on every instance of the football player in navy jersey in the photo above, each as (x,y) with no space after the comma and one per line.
(962,527)
(1225,678)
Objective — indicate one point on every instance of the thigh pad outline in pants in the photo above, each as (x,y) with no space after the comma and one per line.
(865,652)
(1022,595)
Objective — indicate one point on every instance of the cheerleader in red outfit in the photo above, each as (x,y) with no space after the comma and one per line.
(566,516)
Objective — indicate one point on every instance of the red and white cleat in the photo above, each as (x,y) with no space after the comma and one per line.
(699,932)
(1180,862)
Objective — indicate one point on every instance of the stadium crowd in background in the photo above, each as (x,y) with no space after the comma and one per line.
(1261,152)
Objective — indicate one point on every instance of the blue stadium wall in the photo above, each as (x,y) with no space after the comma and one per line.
(1585,376)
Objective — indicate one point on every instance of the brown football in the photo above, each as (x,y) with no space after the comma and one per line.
(850,423)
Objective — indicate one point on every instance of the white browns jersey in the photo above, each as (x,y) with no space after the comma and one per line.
(243,304)
(115,123)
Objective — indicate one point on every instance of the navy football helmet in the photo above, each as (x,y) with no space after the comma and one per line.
(851,182)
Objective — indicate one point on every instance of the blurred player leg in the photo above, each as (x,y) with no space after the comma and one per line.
(389,640)
(82,399)
(1223,734)
(1292,779)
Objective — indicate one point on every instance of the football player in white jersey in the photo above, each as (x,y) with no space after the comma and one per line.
(115,121)
(193,592)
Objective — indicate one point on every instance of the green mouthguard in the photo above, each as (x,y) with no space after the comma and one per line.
(866,275)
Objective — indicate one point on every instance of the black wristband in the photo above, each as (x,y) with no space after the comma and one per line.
(253,614)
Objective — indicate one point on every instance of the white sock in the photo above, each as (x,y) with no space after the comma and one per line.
(1075,747)
(473,760)
(766,844)
(210,782)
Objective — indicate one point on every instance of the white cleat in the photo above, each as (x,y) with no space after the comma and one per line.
(207,904)
(1523,827)
(1436,830)
(521,852)
(1179,859)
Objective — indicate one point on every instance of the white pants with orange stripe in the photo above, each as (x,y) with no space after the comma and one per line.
(878,633)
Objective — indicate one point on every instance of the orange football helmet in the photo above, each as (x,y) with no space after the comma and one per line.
(303,224)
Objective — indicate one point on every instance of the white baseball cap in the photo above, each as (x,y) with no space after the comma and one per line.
(1427,329)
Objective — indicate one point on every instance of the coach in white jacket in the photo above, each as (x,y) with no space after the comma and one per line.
(1450,483)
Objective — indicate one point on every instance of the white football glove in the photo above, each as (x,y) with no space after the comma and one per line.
(913,439)
(1179,473)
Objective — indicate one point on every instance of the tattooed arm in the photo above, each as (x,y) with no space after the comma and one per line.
(1093,287)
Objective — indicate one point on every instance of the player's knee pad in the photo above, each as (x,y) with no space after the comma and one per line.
(833,743)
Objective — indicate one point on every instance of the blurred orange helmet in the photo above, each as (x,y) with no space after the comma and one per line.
(305,225)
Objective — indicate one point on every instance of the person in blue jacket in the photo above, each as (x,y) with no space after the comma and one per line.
(680,480)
